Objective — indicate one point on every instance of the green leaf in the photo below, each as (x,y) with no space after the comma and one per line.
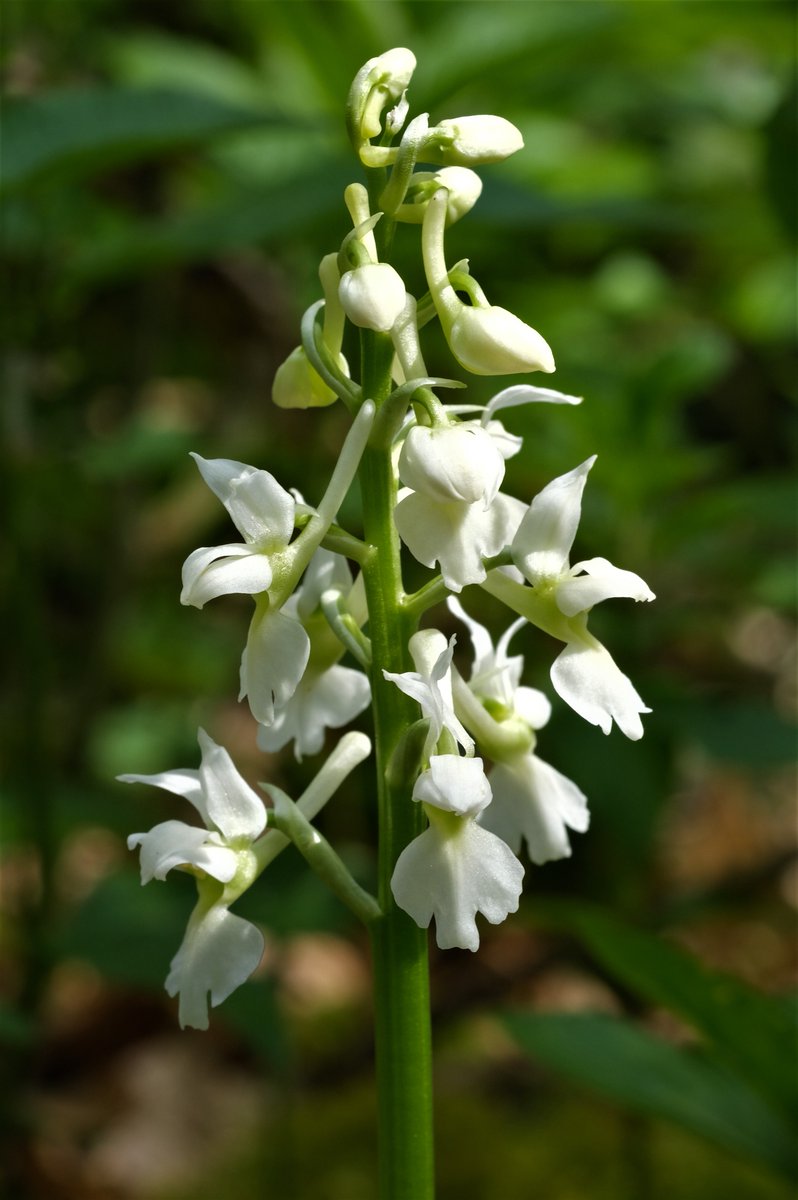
(638,1070)
(83,128)
(752,1033)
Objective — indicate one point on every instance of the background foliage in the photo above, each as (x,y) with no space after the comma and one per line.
(172,175)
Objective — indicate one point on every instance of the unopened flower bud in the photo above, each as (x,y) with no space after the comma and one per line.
(463,188)
(297,384)
(379,82)
(465,141)
(459,462)
(372,296)
(493,341)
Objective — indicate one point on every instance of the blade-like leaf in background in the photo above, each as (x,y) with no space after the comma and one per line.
(752,1033)
(75,129)
(649,1075)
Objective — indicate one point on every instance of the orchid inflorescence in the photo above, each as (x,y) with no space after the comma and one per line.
(446,467)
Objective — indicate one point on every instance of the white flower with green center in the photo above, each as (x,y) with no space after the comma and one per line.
(456,868)
(219,951)
(561,595)
(268,565)
(225,855)
(532,801)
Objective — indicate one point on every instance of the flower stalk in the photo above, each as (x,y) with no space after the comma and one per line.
(461,793)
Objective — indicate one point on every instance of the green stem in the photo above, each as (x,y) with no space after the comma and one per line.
(401,974)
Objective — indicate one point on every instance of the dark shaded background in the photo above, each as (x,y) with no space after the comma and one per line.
(173,174)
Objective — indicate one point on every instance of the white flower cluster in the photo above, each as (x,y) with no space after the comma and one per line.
(447,467)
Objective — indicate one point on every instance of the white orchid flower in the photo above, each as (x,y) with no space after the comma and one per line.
(532,802)
(226,854)
(456,868)
(451,511)
(219,950)
(328,695)
(268,565)
(560,597)
(430,685)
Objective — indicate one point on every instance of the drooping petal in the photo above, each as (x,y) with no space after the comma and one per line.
(601,581)
(532,801)
(453,876)
(543,542)
(322,701)
(227,570)
(234,808)
(588,679)
(273,662)
(218,953)
(454,784)
(175,844)
(457,536)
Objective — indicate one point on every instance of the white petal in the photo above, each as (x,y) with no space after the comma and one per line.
(525,393)
(431,686)
(228,570)
(219,952)
(453,462)
(508,444)
(532,706)
(372,296)
(534,802)
(587,678)
(322,701)
(219,474)
(601,581)
(452,878)
(234,808)
(273,662)
(260,508)
(493,341)
(480,638)
(182,783)
(454,784)
(326,569)
(545,536)
(457,536)
(175,844)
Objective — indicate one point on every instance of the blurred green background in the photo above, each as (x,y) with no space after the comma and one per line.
(172,175)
